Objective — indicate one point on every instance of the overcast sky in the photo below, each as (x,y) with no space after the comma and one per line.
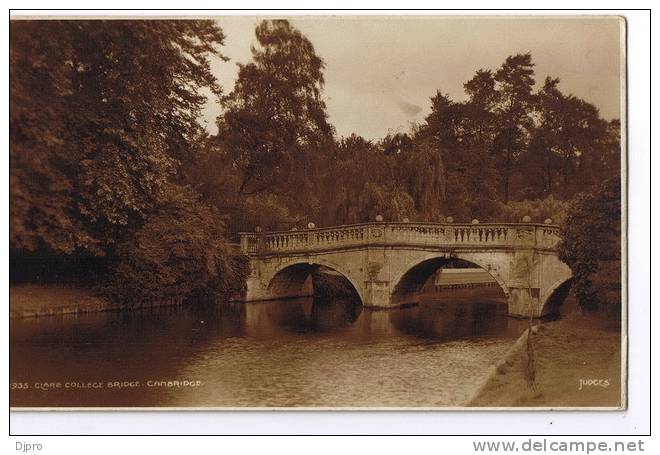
(380,72)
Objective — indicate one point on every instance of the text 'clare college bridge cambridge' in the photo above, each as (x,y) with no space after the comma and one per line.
(384,260)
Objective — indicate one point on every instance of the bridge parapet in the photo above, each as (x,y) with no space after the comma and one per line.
(518,235)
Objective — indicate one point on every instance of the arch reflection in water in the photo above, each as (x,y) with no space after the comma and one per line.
(455,300)
(452,315)
(446,321)
(302,315)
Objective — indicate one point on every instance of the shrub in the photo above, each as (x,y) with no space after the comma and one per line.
(538,209)
(591,245)
(179,254)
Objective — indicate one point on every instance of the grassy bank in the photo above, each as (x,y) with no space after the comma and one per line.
(32,300)
(29,300)
(565,354)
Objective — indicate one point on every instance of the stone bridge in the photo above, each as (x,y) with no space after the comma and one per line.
(385,260)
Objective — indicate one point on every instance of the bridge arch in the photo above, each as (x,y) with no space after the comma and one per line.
(419,270)
(290,278)
(553,298)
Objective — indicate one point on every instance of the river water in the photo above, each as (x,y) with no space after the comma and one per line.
(294,353)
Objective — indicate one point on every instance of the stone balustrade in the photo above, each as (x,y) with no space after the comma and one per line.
(519,235)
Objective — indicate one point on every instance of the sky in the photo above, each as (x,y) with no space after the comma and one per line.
(381,71)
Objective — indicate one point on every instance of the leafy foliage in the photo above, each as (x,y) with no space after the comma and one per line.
(591,245)
(391,203)
(101,114)
(565,139)
(178,254)
(538,210)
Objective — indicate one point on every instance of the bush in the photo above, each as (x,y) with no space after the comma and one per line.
(538,209)
(591,245)
(179,254)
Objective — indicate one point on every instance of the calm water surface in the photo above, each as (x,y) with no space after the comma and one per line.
(281,353)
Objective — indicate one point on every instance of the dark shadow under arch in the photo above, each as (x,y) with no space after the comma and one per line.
(415,280)
(305,279)
(554,304)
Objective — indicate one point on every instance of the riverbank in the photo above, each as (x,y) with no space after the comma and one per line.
(34,300)
(576,362)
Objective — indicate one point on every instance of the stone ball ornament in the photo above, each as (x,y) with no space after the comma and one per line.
(527,219)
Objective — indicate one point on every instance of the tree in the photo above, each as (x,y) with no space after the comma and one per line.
(567,136)
(591,245)
(352,161)
(602,159)
(391,202)
(514,83)
(275,116)
(102,113)
(421,173)
(461,134)
(481,91)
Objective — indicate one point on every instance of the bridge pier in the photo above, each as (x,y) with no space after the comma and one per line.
(524,303)
(377,294)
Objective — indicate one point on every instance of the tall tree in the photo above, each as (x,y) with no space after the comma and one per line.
(102,112)
(567,136)
(461,133)
(276,115)
(514,84)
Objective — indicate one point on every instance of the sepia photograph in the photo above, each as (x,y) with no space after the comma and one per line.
(304,212)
